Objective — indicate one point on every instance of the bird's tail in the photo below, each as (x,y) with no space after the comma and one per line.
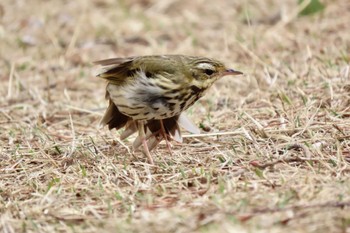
(154,133)
(114,118)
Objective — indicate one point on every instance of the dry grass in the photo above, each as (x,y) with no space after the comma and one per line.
(277,154)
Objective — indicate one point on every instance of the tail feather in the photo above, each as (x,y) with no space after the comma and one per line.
(154,135)
(113,118)
(172,127)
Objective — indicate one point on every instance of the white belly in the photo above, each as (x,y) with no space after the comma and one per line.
(141,100)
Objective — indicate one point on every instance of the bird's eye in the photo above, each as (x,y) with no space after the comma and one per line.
(209,71)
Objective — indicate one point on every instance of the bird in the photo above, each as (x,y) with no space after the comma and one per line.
(149,94)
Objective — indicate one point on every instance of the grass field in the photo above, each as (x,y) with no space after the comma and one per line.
(274,152)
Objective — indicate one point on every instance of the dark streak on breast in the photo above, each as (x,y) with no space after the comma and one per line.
(171,106)
(133,114)
(129,107)
(198,96)
(196,90)
(173,91)
(149,75)
(182,105)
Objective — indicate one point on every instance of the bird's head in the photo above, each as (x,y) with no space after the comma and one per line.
(206,71)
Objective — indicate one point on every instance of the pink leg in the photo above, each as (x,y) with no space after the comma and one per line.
(142,134)
(163,132)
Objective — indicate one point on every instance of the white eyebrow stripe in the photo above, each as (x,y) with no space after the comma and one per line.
(205,66)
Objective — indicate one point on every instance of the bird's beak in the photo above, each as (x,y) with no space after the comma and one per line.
(231,72)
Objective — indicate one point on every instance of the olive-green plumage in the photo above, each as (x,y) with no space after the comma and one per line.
(149,93)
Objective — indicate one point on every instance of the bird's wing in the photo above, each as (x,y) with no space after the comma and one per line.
(113,61)
(118,70)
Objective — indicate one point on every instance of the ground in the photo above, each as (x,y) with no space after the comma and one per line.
(274,150)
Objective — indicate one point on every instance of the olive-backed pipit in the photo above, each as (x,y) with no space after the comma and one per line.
(149,93)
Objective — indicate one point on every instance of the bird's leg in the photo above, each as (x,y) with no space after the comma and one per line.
(163,133)
(142,135)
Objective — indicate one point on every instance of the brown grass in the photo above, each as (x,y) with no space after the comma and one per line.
(276,151)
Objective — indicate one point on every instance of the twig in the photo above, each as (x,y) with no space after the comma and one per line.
(269,131)
(9,90)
